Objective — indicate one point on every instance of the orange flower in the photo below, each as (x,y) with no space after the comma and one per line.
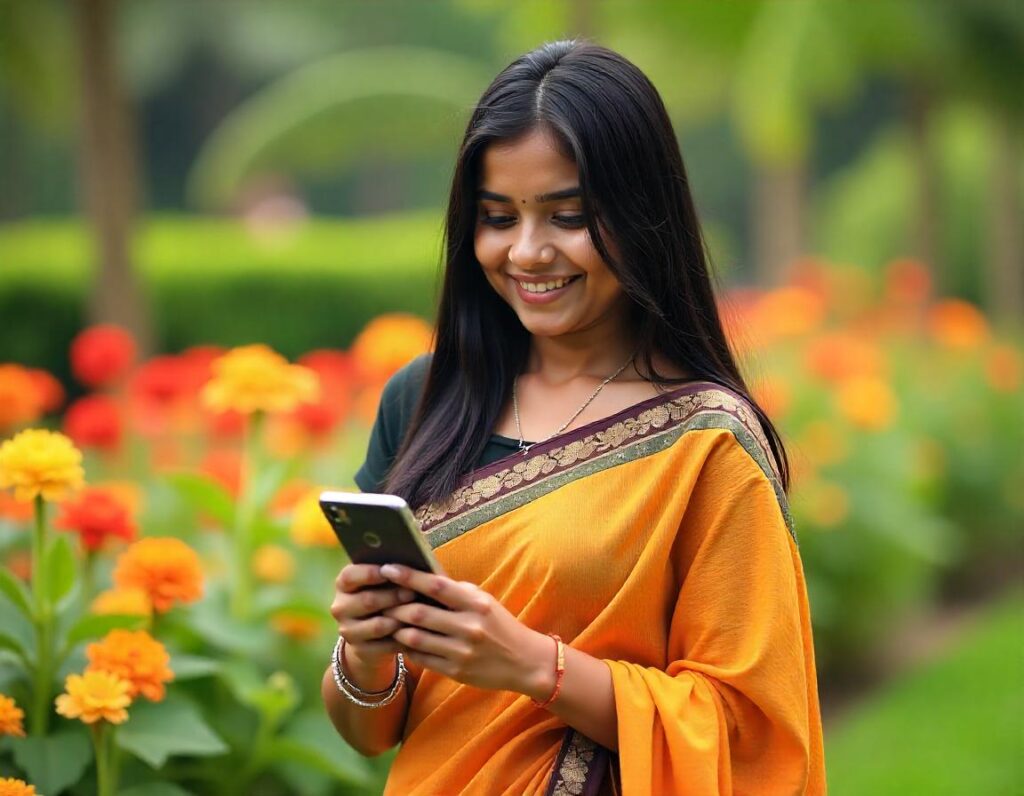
(387,343)
(255,378)
(309,526)
(131,601)
(136,657)
(907,281)
(224,465)
(9,786)
(39,462)
(841,355)
(167,569)
(298,627)
(789,312)
(161,397)
(96,515)
(101,355)
(95,696)
(956,324)
(20,399)
(1003,368)
(273,564)
(867,402)
(14,510)
(288,496)
(94,422)
(50,391)
(11,717)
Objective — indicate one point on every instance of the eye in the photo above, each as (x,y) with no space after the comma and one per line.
(571,221)
(496,221)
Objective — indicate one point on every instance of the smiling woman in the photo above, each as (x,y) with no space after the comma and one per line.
(625,609)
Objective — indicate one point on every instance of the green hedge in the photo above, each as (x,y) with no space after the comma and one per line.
(211,281)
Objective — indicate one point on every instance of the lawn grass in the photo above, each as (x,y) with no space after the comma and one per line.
(953,726)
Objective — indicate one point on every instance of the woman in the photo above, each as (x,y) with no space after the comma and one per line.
(626,610)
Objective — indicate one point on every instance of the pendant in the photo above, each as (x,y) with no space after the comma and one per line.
(525,448)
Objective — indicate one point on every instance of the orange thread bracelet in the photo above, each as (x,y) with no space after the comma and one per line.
(559,672)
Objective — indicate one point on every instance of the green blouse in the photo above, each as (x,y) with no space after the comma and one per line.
(393,416)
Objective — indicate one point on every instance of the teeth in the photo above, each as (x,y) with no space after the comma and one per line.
(543,287)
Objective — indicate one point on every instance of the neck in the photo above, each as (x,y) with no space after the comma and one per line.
(560,359)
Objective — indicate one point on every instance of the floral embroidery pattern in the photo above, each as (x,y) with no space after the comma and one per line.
(578,768)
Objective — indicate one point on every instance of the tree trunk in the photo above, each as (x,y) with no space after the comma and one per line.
(779,235)
(108,172)
(1004,268)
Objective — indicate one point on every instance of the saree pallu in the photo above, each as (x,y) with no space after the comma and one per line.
(657,540)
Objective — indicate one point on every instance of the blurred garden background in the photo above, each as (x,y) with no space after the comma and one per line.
(220,231)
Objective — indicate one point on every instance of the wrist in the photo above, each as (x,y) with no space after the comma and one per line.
(538,678)
(370,675)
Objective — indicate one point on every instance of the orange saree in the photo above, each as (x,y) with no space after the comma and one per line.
(659,541)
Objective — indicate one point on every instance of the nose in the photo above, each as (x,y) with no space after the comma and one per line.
(530,247)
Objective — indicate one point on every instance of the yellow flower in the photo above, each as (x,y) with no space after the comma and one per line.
(295,626)
(131,601)
(134,656)
(309,526)
(867,402)
(95,696)
(39,462)
(255,378)
(11,717)
(387,343)
(16,787)
(167,569)
(273,564)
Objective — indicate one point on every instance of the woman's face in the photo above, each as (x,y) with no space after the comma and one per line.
(533,244)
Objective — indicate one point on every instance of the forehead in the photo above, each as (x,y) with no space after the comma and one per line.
(527,166)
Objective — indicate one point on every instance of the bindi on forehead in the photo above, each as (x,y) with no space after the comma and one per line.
(554,196)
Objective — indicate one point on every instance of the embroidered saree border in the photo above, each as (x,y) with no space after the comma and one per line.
(579,767)
(639,431)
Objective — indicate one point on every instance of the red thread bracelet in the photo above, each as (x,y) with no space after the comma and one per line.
(559,672)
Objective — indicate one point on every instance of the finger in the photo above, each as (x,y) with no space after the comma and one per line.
(358,576)
(458,624)
(372,629)
(376,649)
(420,640)
(455,594)
(432,662)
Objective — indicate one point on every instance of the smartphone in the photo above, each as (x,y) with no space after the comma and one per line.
(379,529)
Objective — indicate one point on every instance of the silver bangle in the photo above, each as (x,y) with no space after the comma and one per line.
(355,694)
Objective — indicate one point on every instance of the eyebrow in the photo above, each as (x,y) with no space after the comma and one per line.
(565,193)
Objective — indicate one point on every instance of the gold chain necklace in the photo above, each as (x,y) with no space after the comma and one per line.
(515,408)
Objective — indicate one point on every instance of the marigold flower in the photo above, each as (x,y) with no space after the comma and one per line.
(255,378)
(867,402)
(95,696)
(134,656)
(39,462)
(20,399)
(11,717)
(789,312)
(9,786)
(94,422)
(48,388)
(957,324)
(224,465)
(1003,368)
(298,627)
(15,510)
(907,281)
(841,355)
(167,569)
(387,343)
(95,515)
(273,564)
(309,526)
(131,601)
(102,354)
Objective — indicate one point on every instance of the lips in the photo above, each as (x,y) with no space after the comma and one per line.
(548,295)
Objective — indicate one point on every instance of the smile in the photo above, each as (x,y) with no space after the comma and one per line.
(546,287)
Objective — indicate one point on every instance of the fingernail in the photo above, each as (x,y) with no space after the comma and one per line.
(390,571)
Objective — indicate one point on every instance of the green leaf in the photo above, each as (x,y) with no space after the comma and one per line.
(311,742)
(96,625)
(15,591)
(190,667)
(273,697)
(156,731)
(54,762)
(9,642)
(154,789)
(61,569)
(204,494)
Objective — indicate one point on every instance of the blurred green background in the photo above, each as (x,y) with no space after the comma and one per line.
(234,172)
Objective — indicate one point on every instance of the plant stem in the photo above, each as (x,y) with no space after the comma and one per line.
(42,619)
(99,743)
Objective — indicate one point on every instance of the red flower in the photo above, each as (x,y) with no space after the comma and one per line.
(94,422)
(160,396)
(96,514)
(224,466)
(102,354)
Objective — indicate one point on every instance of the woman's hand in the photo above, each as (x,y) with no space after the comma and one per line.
(477,641)
(356,609)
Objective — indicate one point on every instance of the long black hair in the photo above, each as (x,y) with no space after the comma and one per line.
(609,119)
